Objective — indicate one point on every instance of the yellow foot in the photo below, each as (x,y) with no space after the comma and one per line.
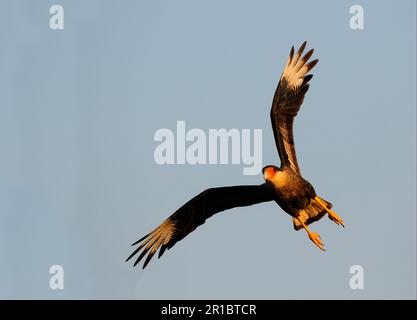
(336,219)
(332,215)
(314,236)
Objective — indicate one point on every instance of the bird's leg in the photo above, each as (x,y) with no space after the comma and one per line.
(314,236)
(332,215)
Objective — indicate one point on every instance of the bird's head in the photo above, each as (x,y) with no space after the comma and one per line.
(269,172)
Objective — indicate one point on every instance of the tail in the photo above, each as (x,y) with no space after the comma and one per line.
(313,212)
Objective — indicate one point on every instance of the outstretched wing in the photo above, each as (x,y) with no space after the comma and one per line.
(288,98)
(195,212)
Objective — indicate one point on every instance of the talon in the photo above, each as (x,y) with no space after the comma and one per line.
(315,237)
(336,219)
(332,215)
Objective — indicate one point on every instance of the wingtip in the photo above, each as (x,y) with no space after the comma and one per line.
(146,262)
(309,54)
(312,64)
(136,242)
(136,262)
(303,46)
(291,52)
(162,250)
(133,254)
(307,78)
(140,257)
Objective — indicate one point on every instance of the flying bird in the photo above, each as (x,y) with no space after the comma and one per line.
(284,185)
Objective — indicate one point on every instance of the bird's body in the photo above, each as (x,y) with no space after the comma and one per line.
(293,191)
(284,185)
(295,195)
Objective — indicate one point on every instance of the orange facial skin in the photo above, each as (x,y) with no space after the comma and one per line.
(269,173)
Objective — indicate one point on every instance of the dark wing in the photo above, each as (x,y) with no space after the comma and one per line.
(287,101)
(195,212)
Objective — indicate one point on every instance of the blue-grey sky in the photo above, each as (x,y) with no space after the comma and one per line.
(79,108)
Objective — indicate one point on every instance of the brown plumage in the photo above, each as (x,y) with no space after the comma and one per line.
(284,185)
(287,101)
(195,212)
